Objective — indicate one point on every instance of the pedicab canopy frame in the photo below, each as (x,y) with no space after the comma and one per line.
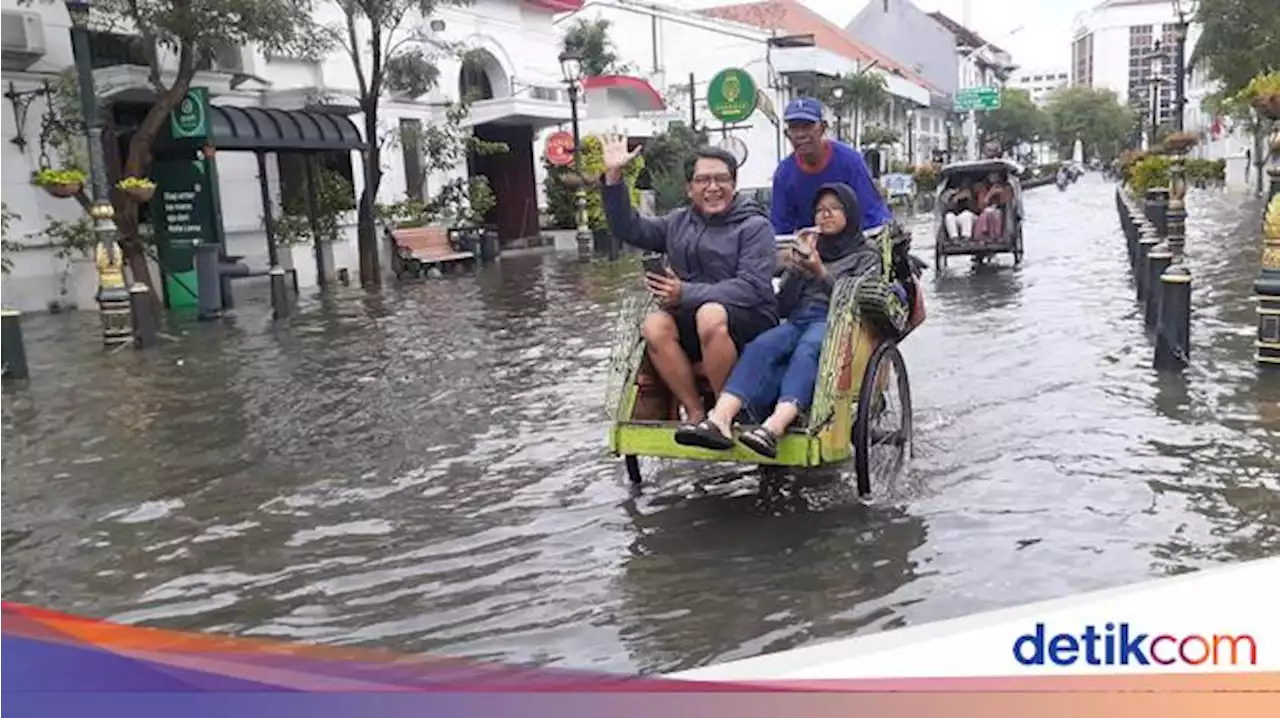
(1011,239)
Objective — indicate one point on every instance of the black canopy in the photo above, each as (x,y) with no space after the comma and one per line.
(271,130)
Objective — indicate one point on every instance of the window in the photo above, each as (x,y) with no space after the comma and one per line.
(415,179)
(293,176)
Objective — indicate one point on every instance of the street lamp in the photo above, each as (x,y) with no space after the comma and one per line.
(911,136)
(571,66)
(113,293)
(837,93)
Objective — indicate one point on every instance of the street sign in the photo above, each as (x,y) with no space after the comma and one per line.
(191,118)
(731,96)
(182,211)
(977,98)
(560,149)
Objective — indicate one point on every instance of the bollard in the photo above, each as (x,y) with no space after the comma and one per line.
(279,293)
(344,276)
(1173,330)
(1157,264)
(1140,271)
(1156,209)
(209,281)
(12,346)
(1135,231)
(145,333)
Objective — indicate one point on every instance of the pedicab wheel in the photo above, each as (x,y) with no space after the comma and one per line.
(1017,248)
(633,469)
(882,428)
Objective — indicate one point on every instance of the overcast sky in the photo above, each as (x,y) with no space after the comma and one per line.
(1044,42)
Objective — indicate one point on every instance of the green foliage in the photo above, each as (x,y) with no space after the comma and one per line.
(334,197)
(47,177)
(561,185)
(667,153)
(1094,116)
(7,247)
(875,136)
(1240,40)
(1017,120)
(1206,170)
(1149,172)
(926,177)
(861,91)
(591,39)
(135,183)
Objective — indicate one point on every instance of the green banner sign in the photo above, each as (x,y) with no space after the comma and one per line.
(181,211)
(191,119)
(977,98)
(731,96)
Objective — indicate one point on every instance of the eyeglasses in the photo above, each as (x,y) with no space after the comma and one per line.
(724,179)
(829,210)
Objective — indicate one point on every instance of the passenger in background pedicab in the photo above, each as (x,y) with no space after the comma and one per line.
(992,200)
(775,378)
(817,161)
(961,210)
(717,290)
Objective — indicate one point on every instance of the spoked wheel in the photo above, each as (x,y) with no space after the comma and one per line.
(882,429)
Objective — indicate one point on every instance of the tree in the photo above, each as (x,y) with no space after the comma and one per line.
(1017,120)
(385,58)
(855,92)
(1094,116)
(192,31)
(1240,39)
(591,39)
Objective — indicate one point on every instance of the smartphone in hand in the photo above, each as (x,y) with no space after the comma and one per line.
(655,264)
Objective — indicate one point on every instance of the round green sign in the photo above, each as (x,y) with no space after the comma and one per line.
(731,97)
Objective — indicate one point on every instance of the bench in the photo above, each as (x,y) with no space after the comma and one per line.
(418,249)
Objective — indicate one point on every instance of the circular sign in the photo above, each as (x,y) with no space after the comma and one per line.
(736,147)
(560,149)
(731,96)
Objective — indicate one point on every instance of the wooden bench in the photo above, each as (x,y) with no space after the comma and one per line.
(420,248)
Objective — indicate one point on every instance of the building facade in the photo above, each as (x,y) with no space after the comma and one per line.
(1114,47)
(1041,83)
(514,70)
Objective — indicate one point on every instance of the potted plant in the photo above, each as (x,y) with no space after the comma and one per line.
(1263,92)
(60,183)
(1180,142)
(139,189)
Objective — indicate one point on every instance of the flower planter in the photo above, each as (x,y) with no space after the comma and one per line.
(1181,142)
(1268,105)
(140,194)
(64,191)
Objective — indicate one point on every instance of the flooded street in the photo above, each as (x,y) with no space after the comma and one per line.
(425,470)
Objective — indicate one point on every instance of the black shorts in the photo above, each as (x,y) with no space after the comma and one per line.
(744,325)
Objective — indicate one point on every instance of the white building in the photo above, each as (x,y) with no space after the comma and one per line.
(517,72)
(1040,83)
(1221,138)
(670,45)
(1114,46)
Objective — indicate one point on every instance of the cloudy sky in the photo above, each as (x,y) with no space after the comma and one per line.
(1043,42)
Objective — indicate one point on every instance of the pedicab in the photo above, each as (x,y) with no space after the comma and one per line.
(980,248)
(861,406)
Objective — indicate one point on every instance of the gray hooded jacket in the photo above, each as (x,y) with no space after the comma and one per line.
(729,259)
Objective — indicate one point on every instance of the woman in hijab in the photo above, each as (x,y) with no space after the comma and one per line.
(781,364)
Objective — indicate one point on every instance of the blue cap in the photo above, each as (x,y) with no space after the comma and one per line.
(803,109)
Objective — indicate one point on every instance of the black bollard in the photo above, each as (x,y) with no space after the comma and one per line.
(1157,209)
(209,281)
(1173,332)
(13,348)
(141,311)
(1135,224)
(1140,268)
(279,293)
(1157,263)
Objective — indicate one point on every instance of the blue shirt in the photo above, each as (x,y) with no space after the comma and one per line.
(795,190)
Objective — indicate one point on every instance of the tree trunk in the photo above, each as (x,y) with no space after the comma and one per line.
(366,228)
(138,164)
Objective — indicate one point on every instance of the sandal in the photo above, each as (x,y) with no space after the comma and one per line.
(704,434)
(762,441)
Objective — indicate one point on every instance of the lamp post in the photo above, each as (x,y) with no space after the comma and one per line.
(911,136)
(113,293)
(571,65)
(837,93)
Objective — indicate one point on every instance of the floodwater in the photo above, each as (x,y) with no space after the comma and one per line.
(425,470)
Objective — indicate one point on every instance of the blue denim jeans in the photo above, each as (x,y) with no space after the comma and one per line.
(780,364)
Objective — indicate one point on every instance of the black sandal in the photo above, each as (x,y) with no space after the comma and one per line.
(704,434)
(762,441)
